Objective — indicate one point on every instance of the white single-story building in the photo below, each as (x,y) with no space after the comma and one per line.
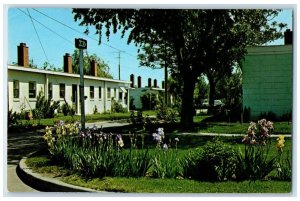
(137,91)
(24,84)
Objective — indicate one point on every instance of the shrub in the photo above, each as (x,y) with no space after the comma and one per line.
(166,113)
(43,107)
(12,118)
(117,107)
(67,109)
(149,101)
(268,115)
(215,162)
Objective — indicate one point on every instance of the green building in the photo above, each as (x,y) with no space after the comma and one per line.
(268,80)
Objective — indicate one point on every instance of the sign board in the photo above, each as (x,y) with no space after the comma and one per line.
(80,43)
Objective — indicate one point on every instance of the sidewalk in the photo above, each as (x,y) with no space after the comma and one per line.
(18,146)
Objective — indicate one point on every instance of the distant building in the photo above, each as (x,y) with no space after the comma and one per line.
(137,91)
(268,79)
(24,84)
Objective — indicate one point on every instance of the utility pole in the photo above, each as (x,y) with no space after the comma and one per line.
(81,44)
(119,66)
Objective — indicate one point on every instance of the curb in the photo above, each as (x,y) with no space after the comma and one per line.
(46,184)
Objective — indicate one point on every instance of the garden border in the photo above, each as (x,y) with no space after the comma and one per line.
(46,184)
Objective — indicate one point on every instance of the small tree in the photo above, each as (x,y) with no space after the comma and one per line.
(44,108)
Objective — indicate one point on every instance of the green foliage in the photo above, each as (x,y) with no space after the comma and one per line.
(215,162)
(166,164)
(166,113)
(117,107)
(12,118)
(94,153)
(268,115)
(284,167)
(202,39)
(102,67)
(44,108)
(67,109)
(254,163)
(149,101)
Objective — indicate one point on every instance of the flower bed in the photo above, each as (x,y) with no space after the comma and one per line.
(95,154)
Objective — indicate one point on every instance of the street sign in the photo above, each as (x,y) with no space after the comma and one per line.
(80,43)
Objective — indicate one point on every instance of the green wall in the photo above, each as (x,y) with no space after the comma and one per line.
(267,80)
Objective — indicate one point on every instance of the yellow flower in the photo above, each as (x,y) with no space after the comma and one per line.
(280,143)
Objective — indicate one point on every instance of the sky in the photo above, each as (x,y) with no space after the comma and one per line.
(50,33)
(58,39)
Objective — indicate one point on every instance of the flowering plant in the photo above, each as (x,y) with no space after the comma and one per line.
(258,133)
(255,162)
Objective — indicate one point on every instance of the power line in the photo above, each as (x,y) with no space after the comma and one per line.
(37,35)
(32,18)
(81,32)
(47,28)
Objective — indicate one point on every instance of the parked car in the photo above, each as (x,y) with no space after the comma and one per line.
(217,103)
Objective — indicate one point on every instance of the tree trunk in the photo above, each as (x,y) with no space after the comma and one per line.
(212,90)
(187,107)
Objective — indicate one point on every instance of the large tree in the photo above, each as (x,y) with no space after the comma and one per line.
(191,35)
(102,67)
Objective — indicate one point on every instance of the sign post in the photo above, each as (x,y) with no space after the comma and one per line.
(81,44)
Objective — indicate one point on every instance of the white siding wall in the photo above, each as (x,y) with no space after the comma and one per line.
(24,77)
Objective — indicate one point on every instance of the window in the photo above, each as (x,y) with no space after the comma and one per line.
(115,93)
(100,92)
(62,90)
(50,91)
(16,89)
(32,90)
(108,92)
(91,92)
(120,95)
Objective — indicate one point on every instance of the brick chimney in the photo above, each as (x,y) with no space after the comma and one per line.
(93,71)
(155,83)
(288,37)
(23,55)
(139,82)
(149,82)
(162,84)
(67,63)
(132,80)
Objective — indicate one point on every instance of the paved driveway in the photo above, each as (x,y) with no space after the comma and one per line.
(19,144)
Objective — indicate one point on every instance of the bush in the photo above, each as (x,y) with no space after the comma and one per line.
(166,113)
(117,107)
(67,109)
(268,115)
(215,162)
(44,108)
(149,101)
(12,118)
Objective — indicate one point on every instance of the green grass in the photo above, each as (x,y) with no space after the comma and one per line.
(150,185)
(201,124)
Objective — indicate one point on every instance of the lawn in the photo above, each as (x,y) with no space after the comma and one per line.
(201,124)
